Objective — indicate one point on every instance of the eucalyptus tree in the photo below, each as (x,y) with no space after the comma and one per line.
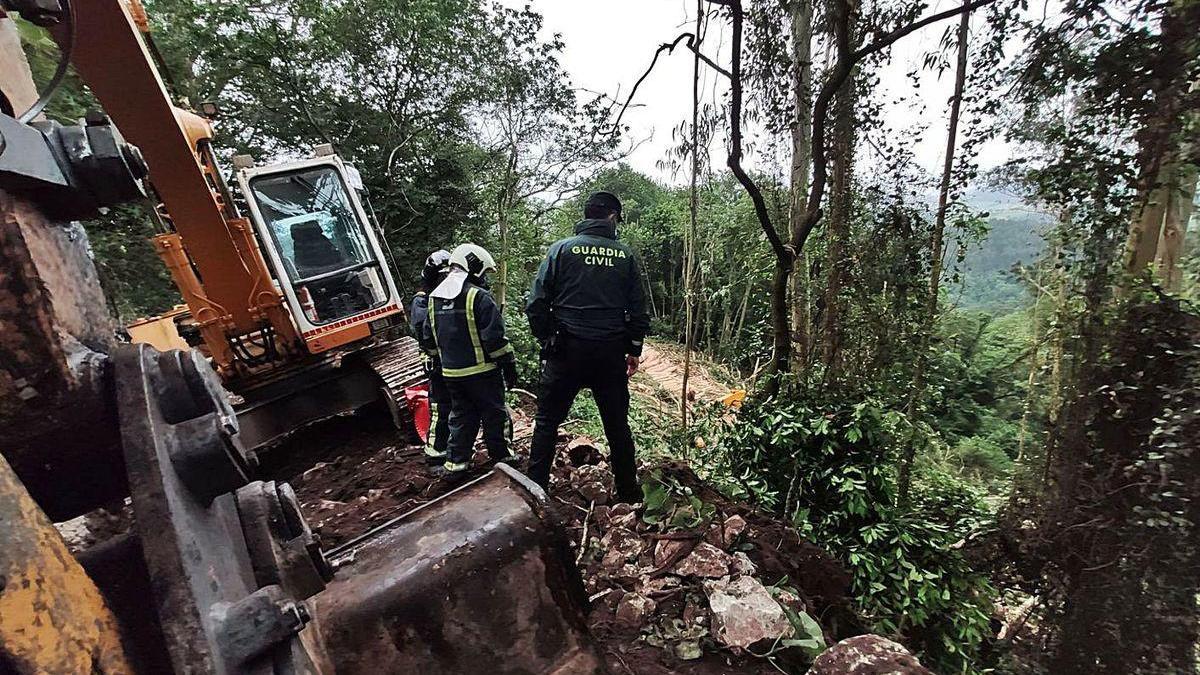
(540,137)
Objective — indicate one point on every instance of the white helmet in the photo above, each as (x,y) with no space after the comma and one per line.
(473,258)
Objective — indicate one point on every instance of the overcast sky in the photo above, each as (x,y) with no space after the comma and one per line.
(609,44)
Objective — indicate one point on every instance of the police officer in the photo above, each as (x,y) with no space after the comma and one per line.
(588,310)
(437,266)
(467,330)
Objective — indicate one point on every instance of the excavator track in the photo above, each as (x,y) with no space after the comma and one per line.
(399,365)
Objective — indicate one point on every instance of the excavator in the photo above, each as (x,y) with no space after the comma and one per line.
(220,572)
(293,301)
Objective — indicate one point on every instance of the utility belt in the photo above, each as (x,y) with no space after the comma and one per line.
(562,343)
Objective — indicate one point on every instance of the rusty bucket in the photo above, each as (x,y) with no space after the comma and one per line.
(476,581)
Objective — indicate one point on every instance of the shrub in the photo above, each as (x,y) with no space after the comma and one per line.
(827,464)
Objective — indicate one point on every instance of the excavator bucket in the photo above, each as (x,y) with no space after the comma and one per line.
(475,581)
(479,579)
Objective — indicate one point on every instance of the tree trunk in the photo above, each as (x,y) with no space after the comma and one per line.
(837,227)
(784,254)
(504,204)
(1180,203)
(1146,229)
(502,263)
(802,11)
(1159,140)
(937,242)
(693,210)
(936,250)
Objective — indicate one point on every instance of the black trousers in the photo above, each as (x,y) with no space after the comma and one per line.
(585,364)
(439,412)
(478,400)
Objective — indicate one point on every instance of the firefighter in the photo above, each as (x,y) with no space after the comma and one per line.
(588,310)
(467,331)
(437,265)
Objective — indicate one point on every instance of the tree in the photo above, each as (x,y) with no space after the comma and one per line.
(539,140)
(937,239)
(801,134)
(846,58)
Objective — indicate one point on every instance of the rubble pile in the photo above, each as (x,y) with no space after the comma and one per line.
(691,583)
(694,582)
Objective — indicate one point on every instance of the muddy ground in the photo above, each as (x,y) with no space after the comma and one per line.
(354,474)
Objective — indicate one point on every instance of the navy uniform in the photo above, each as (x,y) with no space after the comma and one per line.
(467,331)
(437,265)
(588,309)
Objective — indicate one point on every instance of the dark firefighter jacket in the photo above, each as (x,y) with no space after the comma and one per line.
(467,333)
(418,317)
(418,313)
(590,287)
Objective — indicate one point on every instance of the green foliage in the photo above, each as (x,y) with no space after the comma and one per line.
(826,463)
(671,504)
(135,280)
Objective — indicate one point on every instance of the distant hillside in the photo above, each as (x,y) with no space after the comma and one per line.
(1014,238)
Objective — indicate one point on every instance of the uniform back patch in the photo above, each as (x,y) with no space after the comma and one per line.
(603,256)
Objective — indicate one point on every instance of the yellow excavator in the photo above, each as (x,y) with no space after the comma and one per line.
(220,572)
(293,301)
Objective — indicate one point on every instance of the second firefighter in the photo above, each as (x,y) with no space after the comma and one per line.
(466,329)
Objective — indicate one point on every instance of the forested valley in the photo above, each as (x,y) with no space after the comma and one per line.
(976,387)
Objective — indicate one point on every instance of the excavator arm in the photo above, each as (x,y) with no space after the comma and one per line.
(212,254)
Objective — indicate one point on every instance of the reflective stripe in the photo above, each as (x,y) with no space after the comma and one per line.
(472,330)
(471,370)
(431,438)
(456,467)
(431,313)
(506,349)
(508,427)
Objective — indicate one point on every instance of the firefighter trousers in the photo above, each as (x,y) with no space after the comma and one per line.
(438,439)
(478,400)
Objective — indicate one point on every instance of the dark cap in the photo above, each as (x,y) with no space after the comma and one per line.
(604,200)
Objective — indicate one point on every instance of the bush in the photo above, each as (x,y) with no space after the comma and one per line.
(981,457)
(827,465)
(525,347)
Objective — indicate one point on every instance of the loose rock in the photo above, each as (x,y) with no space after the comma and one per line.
(620,546)
(582,451)
(706,561)
(734,526)
(625,520)
(867,655)
(317,468)
(634,609)
(329,504)
(593,491)
(790,600)
(742,565)
(743,612)
(665,549)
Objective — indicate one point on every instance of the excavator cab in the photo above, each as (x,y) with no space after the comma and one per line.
(325,252)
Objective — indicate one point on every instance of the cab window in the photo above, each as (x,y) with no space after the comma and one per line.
(316,231)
